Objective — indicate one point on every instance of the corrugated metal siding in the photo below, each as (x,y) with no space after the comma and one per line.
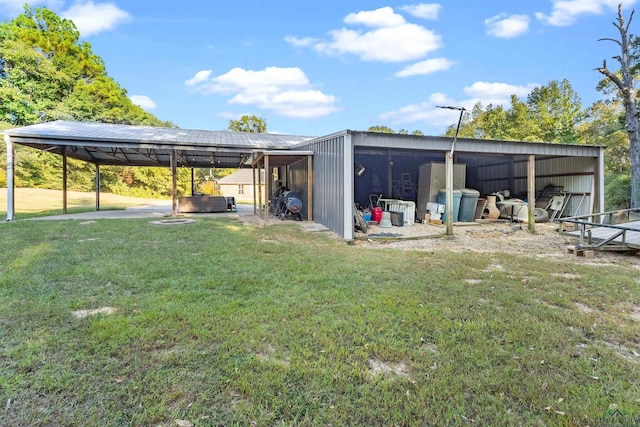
(328,182)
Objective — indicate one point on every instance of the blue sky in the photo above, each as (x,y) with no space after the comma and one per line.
(317,67)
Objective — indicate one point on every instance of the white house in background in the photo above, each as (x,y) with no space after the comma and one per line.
(240,185)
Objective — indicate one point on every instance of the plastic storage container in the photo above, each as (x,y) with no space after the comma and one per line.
(407,208)
(468,204)
(442,199)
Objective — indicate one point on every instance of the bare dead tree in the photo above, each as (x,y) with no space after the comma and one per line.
(625,85)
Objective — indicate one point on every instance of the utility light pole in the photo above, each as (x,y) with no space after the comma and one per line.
(449,173)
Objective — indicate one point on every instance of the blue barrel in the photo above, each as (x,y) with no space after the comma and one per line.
(442,199)
(468,204)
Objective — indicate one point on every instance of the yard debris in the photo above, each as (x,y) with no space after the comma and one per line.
(471,420)
(87,223)
(81,314)
(184,423)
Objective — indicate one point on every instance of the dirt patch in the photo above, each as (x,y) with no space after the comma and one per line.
(493,267)
(268,354)
(175,221)
(567,276)
(81,314)
(583,308)
(495,237)
(624,352)
(378,367)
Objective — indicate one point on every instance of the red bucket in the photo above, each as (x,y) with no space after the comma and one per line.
(376,214)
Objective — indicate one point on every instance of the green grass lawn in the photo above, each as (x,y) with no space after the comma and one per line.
(35,202)
(217,323)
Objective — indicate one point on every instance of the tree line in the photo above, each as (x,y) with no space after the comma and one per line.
(47,73)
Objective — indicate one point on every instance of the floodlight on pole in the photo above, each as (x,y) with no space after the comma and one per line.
(449,172)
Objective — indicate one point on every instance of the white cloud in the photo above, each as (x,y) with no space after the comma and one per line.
(143,101)
(425,112)
(428,113)
(393,44)
(507,27)
(423,10)
(300,42)
(379,18)
(200,77)
(285,91)
(426,67)
(388,38)
(93,18)
(565,12)
(497,93)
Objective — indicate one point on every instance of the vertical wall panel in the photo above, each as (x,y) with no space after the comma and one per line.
(328,181)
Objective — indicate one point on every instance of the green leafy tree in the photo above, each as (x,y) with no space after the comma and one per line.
(47,73)
(247,123)
(550,113)
(557,110)
(381,129)
(604,125)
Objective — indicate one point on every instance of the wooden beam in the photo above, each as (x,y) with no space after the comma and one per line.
(97,187)
(259,188)
(448,211)
(531,191)
(64,179)
(309,188)
(253,177)
(267,191)
(193,187)
(598,184)
(174,183)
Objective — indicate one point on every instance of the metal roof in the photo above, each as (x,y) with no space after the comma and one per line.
(471,146)
(110,144)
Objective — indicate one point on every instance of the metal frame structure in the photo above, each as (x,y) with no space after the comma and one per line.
(125,145)
(599,230)
(269,160)
(327,177)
